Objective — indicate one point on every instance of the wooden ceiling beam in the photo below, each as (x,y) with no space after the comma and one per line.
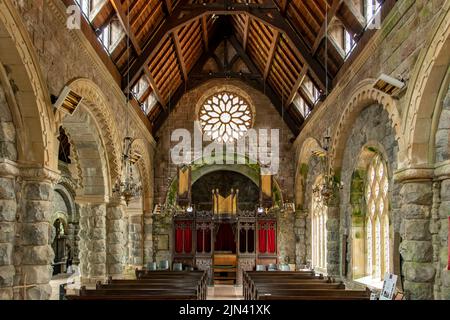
(283,6)
(152,83)
(181,61)
(168,6)
(246,29)
(331,14)
(267,89)
(355,26)
(297,84)
(205,32)
(257,11)
(117,5)
(272,50)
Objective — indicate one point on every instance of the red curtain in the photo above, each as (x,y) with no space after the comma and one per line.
(187,238)
(208,240)
(271,242)
(199,240)
(262,237)
(178,239)
(225,238)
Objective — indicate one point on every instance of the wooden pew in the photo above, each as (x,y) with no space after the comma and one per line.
(297,286)
(101,294)
(174,276)
(150,286)
(313,294)
(276,277)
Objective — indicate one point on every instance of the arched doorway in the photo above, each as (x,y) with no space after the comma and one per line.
(60,245)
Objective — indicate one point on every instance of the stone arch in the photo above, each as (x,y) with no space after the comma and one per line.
(308,146)
(96,103)
(88,149)
(364,137)
(26,92)
(423,97)
(441,124)
(358,209)
(200,167)
(364,96)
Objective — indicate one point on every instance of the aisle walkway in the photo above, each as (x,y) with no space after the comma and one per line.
(225,292)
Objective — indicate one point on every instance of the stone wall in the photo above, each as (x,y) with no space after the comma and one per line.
(184,115)
(372,129)
(414,197)
(7,130)
(162,238)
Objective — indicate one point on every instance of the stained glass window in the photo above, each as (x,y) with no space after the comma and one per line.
(225,117)
(377,219)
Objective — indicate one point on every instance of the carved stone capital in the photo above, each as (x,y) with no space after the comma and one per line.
(417,174)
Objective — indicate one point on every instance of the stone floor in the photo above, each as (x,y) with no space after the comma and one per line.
(225,292)
(56,282)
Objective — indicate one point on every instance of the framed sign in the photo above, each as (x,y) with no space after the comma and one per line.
(390,281)
(162,241)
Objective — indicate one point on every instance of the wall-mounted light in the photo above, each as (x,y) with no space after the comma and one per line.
(68,101)
(389,85)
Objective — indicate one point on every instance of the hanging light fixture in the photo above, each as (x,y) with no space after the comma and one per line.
(330,185)
(126,187)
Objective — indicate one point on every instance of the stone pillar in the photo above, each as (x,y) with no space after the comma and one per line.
(92,244)
(286,237)
(135,239)
(333,257)
(440,238)
(416,245)
(148,237)
(116,252)
(8,209)
(300,238)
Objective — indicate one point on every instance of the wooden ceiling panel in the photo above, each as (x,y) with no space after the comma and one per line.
(104,15)
(282,42)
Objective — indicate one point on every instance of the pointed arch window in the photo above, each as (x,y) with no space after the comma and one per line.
(377,220)
(319,230)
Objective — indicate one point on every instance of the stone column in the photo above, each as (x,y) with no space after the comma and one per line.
(8,209)
(116,253)
(148,237)
(33,253)
(286,237)
(135,238)
(440,238)
(92,244)
(332,226)
(416,246)
(300,238)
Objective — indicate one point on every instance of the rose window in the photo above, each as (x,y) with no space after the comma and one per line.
(225,117)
